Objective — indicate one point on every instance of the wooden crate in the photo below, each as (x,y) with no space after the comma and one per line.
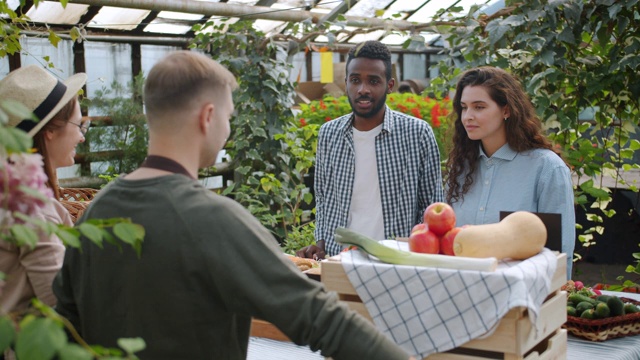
(515,337)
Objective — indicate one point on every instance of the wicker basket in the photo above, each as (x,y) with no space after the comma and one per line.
(605,329)
(76,200)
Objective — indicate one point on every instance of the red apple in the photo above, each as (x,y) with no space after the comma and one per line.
(440,218)
(446,241)
(418,227)
(424,241)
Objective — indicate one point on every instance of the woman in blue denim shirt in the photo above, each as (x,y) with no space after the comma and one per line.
(501,160)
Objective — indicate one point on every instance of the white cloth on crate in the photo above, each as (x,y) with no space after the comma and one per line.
(427,310)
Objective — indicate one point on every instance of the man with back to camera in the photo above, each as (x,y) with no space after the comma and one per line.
(377,169)
(207,265)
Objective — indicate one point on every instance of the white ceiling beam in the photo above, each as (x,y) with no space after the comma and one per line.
(244,11)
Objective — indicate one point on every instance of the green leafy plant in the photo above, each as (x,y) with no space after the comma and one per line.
(572,56)
(299,237)
(121,140)
(263,155)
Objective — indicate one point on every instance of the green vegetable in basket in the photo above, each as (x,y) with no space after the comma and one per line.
(571,311)
(601,310)
(578,298)
(616,305)
(588,314)
(630,308)
(582,306)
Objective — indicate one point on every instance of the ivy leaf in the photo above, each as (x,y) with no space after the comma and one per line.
(14,139)
(496,31)
(54,39)
(69,237)
(7,333)
(132,345)
(24,235)
(567,36)
(18,110)
(548,57)
(92,232)
(40,339)
(132,234)
(74,352)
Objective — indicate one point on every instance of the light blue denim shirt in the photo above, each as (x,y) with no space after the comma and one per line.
(534,180)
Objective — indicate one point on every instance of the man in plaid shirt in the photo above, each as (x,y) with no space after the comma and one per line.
(376,169)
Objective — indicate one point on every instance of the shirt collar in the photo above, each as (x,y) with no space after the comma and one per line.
(387,123)
(504,153)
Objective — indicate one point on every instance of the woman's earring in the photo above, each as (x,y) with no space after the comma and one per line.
(506,118)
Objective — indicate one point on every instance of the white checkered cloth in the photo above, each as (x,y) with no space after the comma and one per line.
(427,310)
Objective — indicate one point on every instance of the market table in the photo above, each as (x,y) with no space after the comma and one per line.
(627,348)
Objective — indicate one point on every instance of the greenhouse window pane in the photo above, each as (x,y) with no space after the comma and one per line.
(13,4)
(266,26)
(414,66)
(159,26)
(179,15)
(118,18)
(328,4)
(53,13)
(36,49)
(4,66)
(426,13)
(406,5)
(394,39)
(368,8)
(358,38)
(394,15)
(106,64)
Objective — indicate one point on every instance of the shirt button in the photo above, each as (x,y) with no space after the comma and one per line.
(486,182)
(481,208)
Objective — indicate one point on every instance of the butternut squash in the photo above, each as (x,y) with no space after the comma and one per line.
(518,236)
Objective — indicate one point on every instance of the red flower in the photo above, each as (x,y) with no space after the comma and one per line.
(322,105)
(313,108)
(435,114)
(328,118)
(303,122)
(403,108)
(416,113)
(411,100)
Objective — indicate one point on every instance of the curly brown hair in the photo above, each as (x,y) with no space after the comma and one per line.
(523,128)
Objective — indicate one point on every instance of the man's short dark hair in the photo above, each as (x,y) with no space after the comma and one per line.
(372,50)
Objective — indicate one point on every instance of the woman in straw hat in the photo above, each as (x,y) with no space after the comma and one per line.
(30,272)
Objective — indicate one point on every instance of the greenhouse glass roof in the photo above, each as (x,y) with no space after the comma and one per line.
(175,18)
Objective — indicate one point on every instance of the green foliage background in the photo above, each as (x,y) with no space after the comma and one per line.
(570,55)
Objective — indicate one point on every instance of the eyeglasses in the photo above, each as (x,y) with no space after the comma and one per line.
(84,127)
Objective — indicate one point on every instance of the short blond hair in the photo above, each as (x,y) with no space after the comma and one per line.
(179,78)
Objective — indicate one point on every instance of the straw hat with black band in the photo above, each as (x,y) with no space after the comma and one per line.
(40,92)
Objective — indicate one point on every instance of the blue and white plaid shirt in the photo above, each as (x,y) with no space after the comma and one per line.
(408,163)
